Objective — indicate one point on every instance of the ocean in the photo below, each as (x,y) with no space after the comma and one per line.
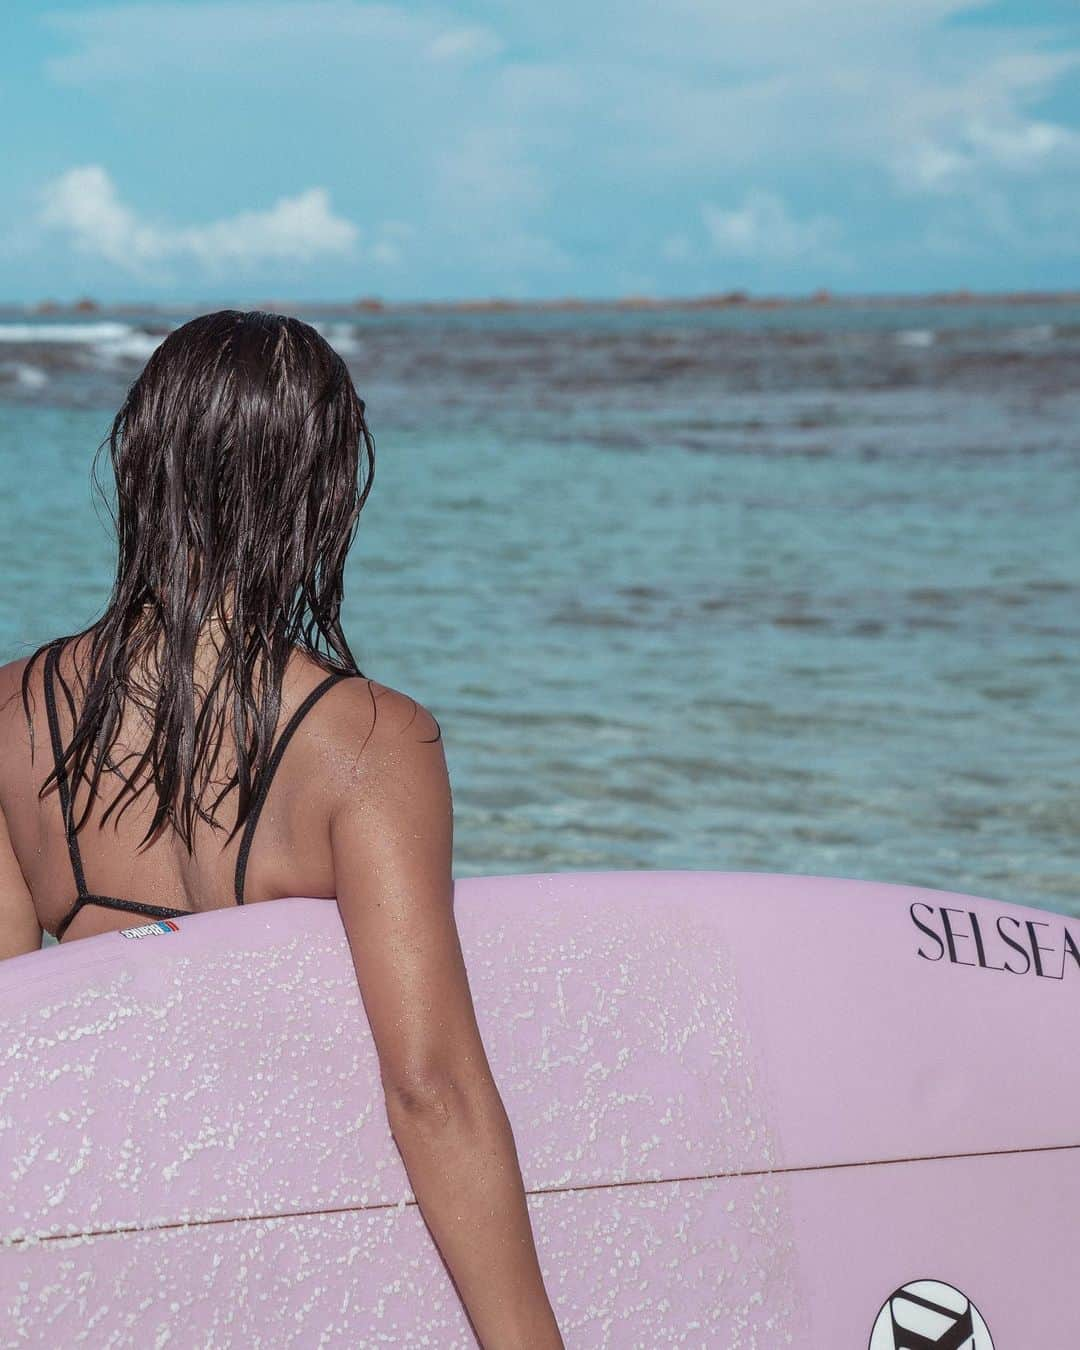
(788,589)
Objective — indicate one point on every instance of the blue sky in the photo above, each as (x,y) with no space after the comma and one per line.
(536,148)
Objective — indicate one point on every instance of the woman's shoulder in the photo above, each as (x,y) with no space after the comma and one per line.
(13,674)
(16,741)
(375,758)
(380,715)
(364,726)
(28,671)
(11,682)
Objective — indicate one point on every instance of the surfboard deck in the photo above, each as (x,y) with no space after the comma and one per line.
(750,1110)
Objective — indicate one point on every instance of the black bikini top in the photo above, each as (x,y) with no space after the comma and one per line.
(85,896)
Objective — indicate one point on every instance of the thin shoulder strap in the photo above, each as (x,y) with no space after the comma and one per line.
(267,777)
(52,659)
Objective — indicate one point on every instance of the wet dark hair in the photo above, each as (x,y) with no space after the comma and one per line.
(237,457)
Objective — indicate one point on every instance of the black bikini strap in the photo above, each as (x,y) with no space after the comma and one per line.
(52,659)
(113,902)
(267,777)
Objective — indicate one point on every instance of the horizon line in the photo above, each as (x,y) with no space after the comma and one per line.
(735,298)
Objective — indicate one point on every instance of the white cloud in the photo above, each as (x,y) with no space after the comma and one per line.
(677,248)
(388,247)
(84,204)
(297,228)
(292,39)
(487,172)
(969,148)
(896,88)
(463,44)
(980,127)
(141,42)
(763,228)
(517,142)
(980,149)
(489,186)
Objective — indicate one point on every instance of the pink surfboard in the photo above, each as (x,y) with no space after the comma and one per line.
(752,1111)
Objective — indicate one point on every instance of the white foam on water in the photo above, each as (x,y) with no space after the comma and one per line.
(106,331)
(30,377)
(915,337)
(136,345)
(341,336)
(111,340)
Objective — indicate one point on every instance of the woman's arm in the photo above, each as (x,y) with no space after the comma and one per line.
(392,835)
(20,931)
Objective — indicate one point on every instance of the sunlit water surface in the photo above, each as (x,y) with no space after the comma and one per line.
(789,591)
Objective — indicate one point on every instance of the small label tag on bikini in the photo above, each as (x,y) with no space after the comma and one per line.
(149,929)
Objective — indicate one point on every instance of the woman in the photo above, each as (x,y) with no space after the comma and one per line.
(137,757)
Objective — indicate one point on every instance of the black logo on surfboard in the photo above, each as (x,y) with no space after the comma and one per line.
(929,1315)
(1044,948)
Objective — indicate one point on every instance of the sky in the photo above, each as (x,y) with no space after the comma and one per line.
(332,149)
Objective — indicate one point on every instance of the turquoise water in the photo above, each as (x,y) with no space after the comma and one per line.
(790,590)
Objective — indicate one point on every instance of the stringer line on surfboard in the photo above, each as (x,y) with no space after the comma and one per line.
(540,1191)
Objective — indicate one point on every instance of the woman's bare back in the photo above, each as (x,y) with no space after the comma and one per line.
(290,851)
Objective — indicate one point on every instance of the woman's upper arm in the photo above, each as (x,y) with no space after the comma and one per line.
(20,931)
(392,839)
